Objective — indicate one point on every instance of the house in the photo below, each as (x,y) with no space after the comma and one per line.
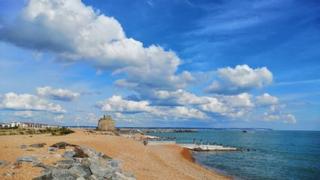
(26,125)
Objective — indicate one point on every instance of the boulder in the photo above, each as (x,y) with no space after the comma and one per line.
(61,145)
(31,159)
(80,171)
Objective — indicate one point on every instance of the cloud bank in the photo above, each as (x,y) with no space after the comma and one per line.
(74,32)
(28,102)
(57,94)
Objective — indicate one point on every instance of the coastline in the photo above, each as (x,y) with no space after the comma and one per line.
(145,162)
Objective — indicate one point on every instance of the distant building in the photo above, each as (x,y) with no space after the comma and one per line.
(26,125)
(106,123)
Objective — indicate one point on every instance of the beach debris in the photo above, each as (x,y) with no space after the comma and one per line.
(38,145)
(84,163)
(23,146)
(61,145)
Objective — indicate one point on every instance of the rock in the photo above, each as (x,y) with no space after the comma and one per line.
(62,174)
(38,145)
(23,146)
(65,164)
(45,176)
(61,145)
(121,176)
(3,163)
(52,149)
(81,178)
(99,171)
(93,177)
(69,154)
(80,171)
(79,153)
(114,163)
(27,159)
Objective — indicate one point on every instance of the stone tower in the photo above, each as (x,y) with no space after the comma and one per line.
(106,123)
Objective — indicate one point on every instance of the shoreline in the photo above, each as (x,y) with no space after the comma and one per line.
(145,162)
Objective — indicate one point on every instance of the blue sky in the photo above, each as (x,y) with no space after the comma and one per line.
(161,63)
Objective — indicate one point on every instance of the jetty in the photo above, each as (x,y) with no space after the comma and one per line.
(196,147)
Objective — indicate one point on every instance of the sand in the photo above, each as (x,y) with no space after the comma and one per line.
(145,162)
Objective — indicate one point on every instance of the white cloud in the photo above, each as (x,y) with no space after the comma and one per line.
(185,113)
(30,102)
(232,106)
(57,94)
(242,78)
(118,104)
(275,113)
(266,99)
(286,118)
(75,32)
(178,97)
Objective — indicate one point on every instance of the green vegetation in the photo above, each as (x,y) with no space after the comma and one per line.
(30,131)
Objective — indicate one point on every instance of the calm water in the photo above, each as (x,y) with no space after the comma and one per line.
(272,155)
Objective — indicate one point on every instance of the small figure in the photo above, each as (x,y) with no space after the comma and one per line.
(145,142)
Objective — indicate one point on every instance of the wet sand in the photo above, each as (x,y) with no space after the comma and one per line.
(145,162)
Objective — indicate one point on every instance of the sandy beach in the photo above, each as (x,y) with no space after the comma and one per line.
(145,162)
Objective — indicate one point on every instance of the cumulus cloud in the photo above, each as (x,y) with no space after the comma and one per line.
(57,94)
(76,32)
(242,78)
(266,99)
(233,106)
(118,104)
(178,97)
(25,102)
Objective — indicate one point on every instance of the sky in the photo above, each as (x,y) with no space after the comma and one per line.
(161,63)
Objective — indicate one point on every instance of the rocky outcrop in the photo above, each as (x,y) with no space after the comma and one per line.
(83,163)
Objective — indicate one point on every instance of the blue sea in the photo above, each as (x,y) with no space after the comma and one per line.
(266,154)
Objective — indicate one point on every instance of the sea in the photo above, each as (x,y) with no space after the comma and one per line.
(264,154)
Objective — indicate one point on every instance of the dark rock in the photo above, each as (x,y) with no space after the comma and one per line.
(38,145)
(52,149)
(79,153)
(61,145)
